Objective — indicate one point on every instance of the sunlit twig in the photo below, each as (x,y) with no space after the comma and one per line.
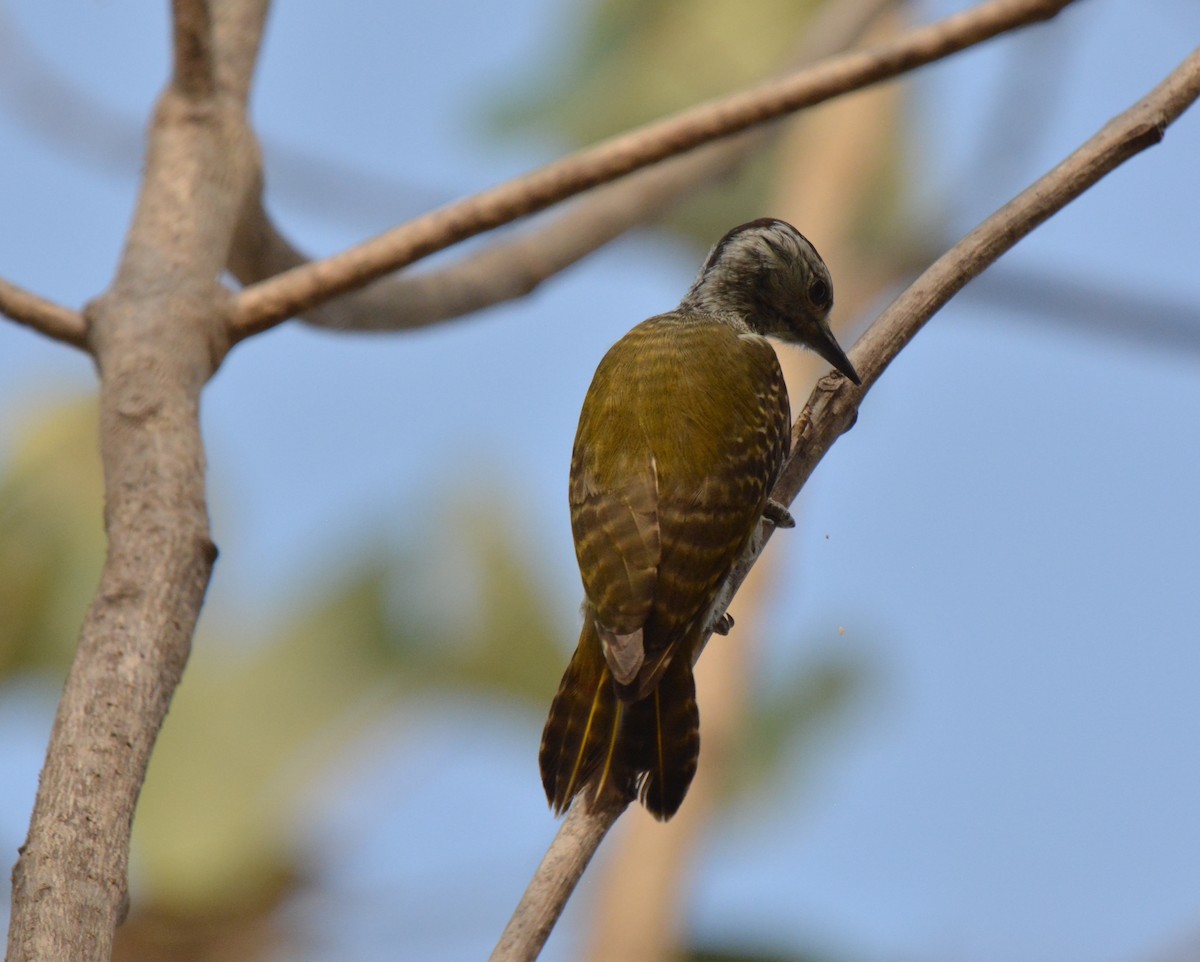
(265,304)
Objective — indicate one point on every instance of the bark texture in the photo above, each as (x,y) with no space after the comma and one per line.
(157,335)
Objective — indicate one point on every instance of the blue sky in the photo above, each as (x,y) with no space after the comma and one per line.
(1009,533)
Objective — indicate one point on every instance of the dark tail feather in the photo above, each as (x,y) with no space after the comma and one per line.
(581,729)
(594,740)
(670,743)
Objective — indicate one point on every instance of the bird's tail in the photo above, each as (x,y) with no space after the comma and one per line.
(664,737)
(617,749)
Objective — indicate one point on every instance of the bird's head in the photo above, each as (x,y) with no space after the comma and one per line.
(769,275)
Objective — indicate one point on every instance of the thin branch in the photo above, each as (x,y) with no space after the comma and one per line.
(833,405)
(216,45)
(94,136)
(194,75)
(266,304)
(512,267)
(555,879)
(53,320)
(1136,317)
(508,269)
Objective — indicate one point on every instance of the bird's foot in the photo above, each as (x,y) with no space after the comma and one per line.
(724,623)
(778,515)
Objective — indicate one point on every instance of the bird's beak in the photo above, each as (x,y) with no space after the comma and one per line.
(829,349)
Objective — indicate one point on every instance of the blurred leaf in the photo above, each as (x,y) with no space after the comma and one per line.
(51,537)
(638,61)
(253,727)
(795,718)
(249,730)
(510,646)
(231,932)
(256,721)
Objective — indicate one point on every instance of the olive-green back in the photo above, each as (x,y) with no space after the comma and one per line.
(681,437)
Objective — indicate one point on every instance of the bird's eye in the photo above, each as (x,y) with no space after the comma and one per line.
(818,292)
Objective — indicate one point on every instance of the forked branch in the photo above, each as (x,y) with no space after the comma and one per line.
(833,406)
(578,837)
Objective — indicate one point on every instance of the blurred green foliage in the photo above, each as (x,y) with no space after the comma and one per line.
(638,60)
(632,62)
(259,721)
(795,721)
(51,537)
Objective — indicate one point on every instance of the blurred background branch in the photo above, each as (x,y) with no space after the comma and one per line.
(515,266)
(276,298)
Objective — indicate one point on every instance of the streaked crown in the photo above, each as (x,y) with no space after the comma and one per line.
(768,276)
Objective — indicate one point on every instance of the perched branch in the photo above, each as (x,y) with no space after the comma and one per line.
(833,405)
(53,320)
(560,870)
(512,267)
(265,304)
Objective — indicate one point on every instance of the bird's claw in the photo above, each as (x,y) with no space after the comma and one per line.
(778,515)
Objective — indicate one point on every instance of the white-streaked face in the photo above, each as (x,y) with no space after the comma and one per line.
(768,276)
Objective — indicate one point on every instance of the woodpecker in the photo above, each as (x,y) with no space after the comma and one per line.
(682,435)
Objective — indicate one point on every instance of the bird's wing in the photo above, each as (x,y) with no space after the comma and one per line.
(618,546)
(666,491)
(716,475)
